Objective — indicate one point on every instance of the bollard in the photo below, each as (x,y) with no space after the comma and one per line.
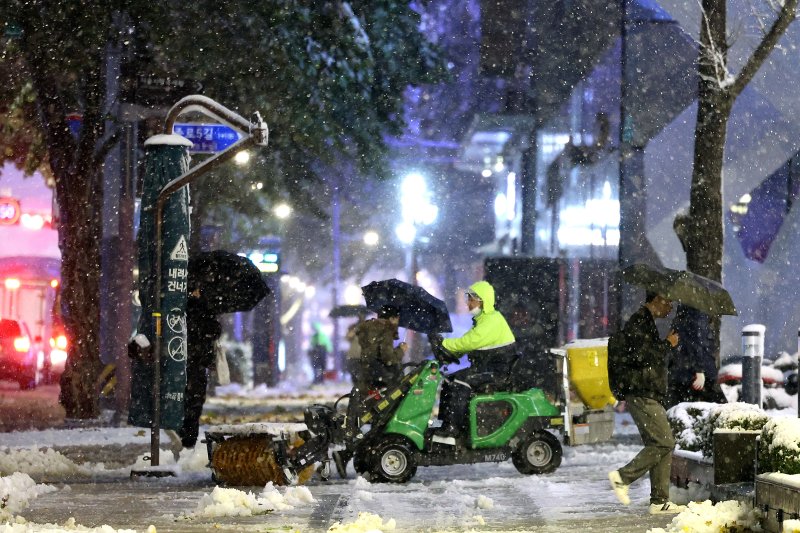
(753,352)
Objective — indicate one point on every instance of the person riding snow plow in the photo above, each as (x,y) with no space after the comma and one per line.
(492,350)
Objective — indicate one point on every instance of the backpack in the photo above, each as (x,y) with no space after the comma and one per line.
(618,371)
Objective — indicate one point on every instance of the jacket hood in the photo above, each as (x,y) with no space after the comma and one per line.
(486,293)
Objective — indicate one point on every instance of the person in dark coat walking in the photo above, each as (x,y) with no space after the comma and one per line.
(639,376)
(692,369)
(202,331)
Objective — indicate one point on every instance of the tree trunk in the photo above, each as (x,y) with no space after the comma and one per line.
(79,239)
(705,236)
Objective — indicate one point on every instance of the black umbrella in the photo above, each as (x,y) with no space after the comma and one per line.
(228,282)
(419,310)
(682,286)
(344,311)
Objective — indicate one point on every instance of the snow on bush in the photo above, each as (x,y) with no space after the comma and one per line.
(38,463)
(779,447)
(16,491)
(693,423)
(733,416)
(365,523)
(234,502)
(686,420)
(706,517)
(20,525)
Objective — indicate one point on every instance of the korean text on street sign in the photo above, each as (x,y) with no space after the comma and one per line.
(207,138)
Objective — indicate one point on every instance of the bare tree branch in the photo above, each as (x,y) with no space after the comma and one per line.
(785,17)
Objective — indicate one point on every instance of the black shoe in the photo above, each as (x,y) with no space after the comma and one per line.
(341,464)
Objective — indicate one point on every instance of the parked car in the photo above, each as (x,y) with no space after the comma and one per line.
(20,361)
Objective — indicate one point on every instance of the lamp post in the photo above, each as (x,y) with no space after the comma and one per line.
(417,211)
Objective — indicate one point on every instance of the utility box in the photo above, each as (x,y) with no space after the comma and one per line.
(735,455)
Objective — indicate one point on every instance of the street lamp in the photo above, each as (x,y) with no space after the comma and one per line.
(417,211)
(371,238)
(282,210)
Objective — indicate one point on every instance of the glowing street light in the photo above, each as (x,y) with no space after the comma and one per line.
(282,210)
(417,211)
(371,238)
(242,158)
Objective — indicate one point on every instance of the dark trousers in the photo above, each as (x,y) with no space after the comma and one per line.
(454,399)
(193,400)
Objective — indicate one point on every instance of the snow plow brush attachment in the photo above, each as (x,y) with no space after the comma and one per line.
(256,454)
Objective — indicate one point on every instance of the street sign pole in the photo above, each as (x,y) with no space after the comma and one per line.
(255,133)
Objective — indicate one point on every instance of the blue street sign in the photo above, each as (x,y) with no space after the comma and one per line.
(207,138)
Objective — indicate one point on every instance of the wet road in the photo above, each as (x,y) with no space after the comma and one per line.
(574,498)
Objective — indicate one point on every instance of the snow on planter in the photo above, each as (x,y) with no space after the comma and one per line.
(694,423)
(779,447)
(737,416)
(686,420)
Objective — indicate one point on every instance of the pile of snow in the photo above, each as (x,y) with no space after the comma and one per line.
(706,517)
(20,525)
(16,491)
(190,460)
(99,436)
(40,463)
(234,502)
(365,523)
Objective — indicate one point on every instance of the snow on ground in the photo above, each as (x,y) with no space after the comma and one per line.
(365,523)
(706,517)
(234,502)
(20,525)
(16,491)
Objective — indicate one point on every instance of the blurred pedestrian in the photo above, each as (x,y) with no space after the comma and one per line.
(380,365)
(202,331)
(638,374)
(320,347)
(354,348)
(692,366)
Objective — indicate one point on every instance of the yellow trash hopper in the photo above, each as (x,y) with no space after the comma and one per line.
(588,401)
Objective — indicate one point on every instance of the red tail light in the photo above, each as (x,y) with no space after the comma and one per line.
(59,342)
(22,344)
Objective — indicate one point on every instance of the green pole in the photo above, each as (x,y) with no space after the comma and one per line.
(158,384)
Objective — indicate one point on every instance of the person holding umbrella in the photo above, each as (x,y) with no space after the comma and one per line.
(692,368)
(218,282)
(637,369)
(492,349)
(202,331)
(379,365)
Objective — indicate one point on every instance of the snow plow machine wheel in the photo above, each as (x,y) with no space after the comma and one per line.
(392,460)
(537,453)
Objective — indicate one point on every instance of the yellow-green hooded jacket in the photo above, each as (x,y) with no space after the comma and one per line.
(490,330)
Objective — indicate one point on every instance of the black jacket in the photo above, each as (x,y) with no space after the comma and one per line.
(642,370)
